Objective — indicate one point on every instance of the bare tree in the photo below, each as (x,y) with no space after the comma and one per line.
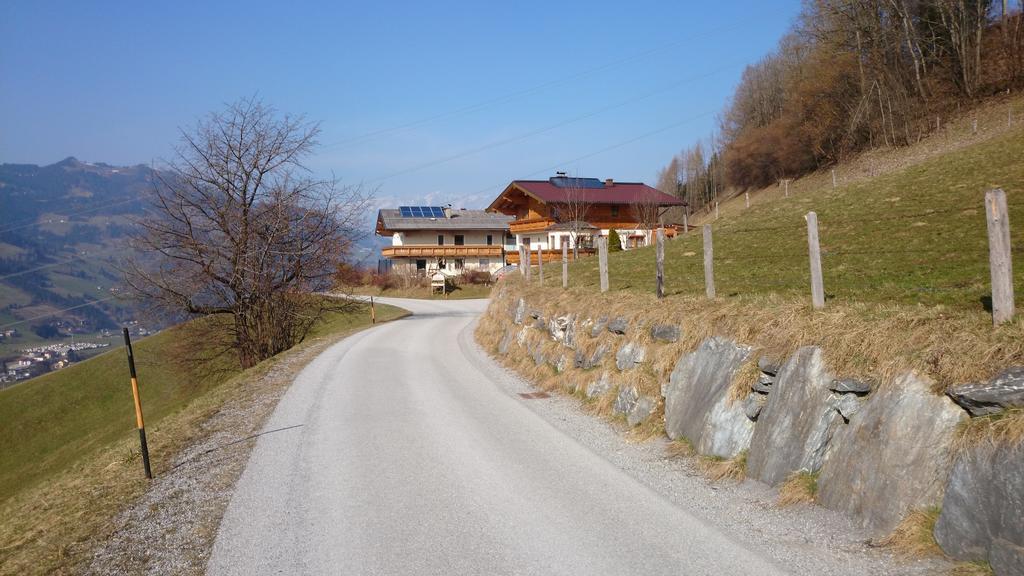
(242,232)
(574,211)
(646,211)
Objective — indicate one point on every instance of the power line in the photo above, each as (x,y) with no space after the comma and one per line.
(607,148)
(70,215)
(554,126)
(44,266)
(544,85)
(54,313)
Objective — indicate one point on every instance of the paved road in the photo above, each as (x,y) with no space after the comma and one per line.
(397,452)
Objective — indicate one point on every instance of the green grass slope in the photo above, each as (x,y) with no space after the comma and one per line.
(49,423)
(916,236)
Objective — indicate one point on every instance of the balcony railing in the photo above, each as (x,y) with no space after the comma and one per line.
(446,251)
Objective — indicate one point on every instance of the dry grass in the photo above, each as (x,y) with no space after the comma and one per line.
(914,536)
(681,448)
(1005,428)
(799,488)
(980,568)
(742,380)
(719,469)
(862,340)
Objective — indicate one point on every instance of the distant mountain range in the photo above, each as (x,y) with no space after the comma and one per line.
(64,229)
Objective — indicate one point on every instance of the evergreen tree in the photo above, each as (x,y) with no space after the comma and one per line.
(614,242)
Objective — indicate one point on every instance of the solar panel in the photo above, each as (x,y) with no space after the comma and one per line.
(421,211)
(569,182)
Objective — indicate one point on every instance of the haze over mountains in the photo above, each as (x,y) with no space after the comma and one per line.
(65,225)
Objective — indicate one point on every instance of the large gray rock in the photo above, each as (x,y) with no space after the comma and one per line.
(569,339)
(598,327)
(1004,391)
(626,400)
(642,410)
(768,366)
(618,325)
(893,457)
(983,509)
(763,384)
(629,356)
(506,341)
(850,385)
(520,312)
(587,362)
(796,424)
(665,332)
(599,387)
(753,404)
(847,405)
(696,404)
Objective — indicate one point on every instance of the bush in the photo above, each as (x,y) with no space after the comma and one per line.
(385,281)
(614,242)
(475,277)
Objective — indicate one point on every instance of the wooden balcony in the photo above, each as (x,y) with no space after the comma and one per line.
(530,225)
(446,251)
(548,255)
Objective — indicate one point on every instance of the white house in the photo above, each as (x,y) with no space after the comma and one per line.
(429,239)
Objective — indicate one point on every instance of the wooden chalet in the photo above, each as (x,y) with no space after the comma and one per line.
(574,211)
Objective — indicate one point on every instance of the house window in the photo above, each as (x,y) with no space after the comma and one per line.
(490,240)
(526,241)
(440,239)
(441,264)
(421,265)
(484,263)
(460,240)
(460,263)
(615,211)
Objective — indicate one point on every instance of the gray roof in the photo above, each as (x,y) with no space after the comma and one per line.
(391,219)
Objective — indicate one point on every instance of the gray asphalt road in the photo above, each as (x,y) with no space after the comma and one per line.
(394,452)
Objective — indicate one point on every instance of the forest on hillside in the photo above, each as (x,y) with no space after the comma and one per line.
(851,75)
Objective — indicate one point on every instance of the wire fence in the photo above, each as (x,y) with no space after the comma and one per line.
(853,259)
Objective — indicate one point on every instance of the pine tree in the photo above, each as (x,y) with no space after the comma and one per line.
(614,242)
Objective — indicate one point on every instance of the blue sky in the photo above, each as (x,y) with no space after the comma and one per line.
(457,98)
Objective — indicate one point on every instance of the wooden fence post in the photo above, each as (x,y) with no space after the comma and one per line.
(999,257)
(659,256)
(786,181)
(716,210)
(686,223)
(817,284)
(602,261)
(709,264)
(565,264)
(833,178)
(540,265)
(529,266)
(746,196)
(522,259)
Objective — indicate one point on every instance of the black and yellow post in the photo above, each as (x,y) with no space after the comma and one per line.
(138,404)
(373,312)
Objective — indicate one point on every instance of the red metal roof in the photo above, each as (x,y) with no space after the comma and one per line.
(618,193)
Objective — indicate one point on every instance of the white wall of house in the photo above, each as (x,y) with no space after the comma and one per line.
(429,237)
(554,240)
(451,266)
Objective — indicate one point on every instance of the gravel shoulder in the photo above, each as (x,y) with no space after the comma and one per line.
(172,527)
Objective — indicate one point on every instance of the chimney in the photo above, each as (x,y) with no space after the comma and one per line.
(448,211)
(608,182)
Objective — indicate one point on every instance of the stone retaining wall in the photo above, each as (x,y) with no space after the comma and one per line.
(879,451)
